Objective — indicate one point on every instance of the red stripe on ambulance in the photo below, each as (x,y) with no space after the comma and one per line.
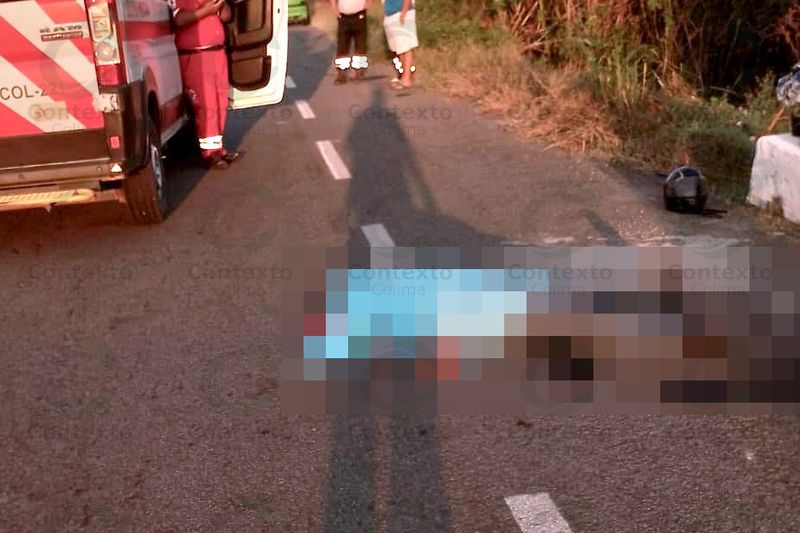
(63,11)
(12,122)
(69,12)
(49,76)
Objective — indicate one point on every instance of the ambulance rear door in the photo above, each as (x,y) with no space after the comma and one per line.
(258,41)
(48,86)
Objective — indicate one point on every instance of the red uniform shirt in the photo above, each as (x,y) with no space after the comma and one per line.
(209,31)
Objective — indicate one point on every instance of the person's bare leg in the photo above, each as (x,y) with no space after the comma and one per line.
(408,60)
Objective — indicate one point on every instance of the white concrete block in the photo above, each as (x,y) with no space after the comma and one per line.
(776,175)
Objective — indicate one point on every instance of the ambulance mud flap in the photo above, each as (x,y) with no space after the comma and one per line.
(129,123)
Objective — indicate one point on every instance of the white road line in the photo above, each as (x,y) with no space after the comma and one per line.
(537,513)
(335,164)
(305,110)
(377,236)
(290,83)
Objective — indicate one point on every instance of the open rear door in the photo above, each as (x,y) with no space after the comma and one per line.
(258,41)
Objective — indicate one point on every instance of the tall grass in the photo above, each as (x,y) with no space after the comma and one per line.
(654,83)
(711,44)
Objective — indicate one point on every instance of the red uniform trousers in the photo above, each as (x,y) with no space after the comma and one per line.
(205,80)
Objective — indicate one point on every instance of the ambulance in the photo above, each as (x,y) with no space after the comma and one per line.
(90,96)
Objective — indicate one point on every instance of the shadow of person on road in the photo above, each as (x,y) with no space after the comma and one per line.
(388,187)
(317,51)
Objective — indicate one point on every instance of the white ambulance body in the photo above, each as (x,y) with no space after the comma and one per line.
(90,94)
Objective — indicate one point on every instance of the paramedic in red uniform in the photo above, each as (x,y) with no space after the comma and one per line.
(200,39)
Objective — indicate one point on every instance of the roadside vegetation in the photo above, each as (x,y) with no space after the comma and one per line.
(650,83)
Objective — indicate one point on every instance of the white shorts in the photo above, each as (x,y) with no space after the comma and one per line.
(401,37)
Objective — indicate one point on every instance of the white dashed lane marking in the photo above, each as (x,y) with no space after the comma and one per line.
(305,110)
(558,240)
(377,236)
(290,83)
(335,164)
(537,513)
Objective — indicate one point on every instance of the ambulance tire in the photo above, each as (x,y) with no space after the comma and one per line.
(145,191)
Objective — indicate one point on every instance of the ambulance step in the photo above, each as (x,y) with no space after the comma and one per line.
(31,199)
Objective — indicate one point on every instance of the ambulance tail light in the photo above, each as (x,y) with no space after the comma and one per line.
(108,58)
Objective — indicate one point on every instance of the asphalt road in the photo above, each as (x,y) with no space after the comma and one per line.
(138,389)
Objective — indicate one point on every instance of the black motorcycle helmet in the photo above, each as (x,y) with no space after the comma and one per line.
(685,190)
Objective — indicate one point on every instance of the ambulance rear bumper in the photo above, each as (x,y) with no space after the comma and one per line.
(25,176)
(59,184)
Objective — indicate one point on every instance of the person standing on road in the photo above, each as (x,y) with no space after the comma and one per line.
(352,17)
(200,39)
(400,25)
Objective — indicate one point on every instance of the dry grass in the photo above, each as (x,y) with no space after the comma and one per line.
(548,104)
(322,16)
(569,117)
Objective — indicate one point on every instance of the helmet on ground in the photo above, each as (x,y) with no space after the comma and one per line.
(685,190)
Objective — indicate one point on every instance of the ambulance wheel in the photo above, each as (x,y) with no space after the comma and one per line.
(145,191)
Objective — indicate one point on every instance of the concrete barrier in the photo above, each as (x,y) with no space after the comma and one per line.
(775,181)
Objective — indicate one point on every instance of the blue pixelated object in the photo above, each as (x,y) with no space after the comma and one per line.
(403,325)
(425,325)
(314,347)
(359,325)
(788,88)
(336,347)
